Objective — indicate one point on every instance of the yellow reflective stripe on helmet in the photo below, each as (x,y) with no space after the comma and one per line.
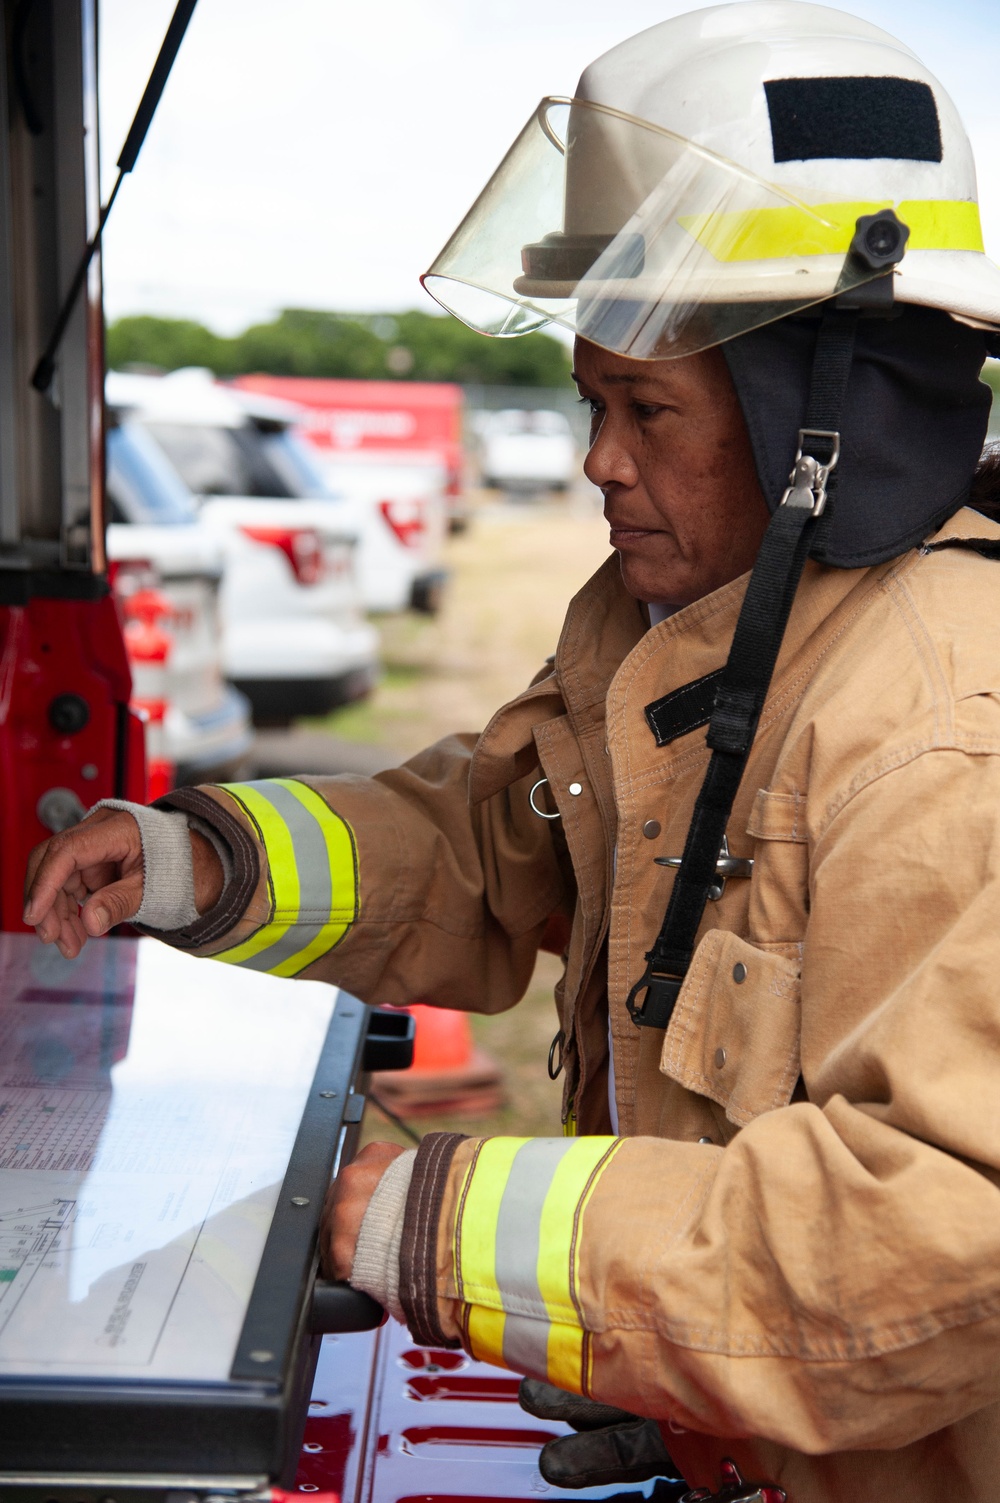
(517,1252)
(828,229)
(312,874)
(942,224)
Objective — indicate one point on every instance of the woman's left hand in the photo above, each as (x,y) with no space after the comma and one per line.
(345,1206)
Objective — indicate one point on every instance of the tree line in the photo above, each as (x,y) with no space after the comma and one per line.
(414,346)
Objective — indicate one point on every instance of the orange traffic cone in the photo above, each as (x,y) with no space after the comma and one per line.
(448,1075)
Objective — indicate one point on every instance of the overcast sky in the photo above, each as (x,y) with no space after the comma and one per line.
(317,153)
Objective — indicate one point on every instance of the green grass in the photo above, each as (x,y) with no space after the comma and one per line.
(373,720)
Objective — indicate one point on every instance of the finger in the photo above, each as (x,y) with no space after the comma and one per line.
(76,930)
(545,1401)
(115,904)
(49,930)
(621,1453)
(348,1201)
(57,867)
(113,839)
(67,940)
(34,862)
(61,926)
(91,878)
(69,943)
(326,1260)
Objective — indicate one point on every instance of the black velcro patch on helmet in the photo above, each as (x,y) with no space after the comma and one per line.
(853,118)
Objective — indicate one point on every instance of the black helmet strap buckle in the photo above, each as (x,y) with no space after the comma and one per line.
(746,678)
(808,482)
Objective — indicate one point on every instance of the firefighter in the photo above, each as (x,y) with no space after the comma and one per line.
(753,800)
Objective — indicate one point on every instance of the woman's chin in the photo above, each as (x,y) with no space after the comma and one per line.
(646,582)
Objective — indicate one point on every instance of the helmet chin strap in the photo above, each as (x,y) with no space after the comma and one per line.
(746,678)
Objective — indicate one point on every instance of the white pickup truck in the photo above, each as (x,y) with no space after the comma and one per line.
(294,637)
(166,568)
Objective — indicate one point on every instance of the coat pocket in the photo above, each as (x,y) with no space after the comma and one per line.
(734,1035)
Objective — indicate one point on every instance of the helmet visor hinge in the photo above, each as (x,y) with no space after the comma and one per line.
(807,482)
(878,245)
(880,239)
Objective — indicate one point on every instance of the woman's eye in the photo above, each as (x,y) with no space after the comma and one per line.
(647,409)
(592,403)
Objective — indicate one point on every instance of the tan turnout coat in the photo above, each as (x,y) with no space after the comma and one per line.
(793,1256)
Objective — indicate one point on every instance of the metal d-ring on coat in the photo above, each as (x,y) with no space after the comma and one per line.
(531,800)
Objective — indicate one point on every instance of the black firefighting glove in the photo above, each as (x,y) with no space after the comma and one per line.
(611,1445)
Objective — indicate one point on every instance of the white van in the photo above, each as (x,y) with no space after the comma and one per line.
(527,450)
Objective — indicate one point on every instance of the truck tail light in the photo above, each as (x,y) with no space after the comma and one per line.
(146,644)
(144,611)
(407,519)
(161,773)
(128,575)
(162,776)
(302,546)
(454,484)
(147,605)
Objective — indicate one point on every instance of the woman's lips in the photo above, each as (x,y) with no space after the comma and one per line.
(621,536)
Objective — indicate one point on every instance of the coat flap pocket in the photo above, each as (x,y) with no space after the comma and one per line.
(777,816)
(734,1035)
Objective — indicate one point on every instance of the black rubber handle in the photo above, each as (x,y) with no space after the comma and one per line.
(337,1308)
(389,1041)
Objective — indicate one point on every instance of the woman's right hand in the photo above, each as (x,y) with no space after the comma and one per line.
(84,881)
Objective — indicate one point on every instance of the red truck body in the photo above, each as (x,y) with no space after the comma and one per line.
(398,419)
(391,1422)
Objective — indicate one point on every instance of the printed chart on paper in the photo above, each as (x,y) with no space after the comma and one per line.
(145,1129)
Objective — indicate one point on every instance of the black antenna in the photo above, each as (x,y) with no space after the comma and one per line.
(41,378)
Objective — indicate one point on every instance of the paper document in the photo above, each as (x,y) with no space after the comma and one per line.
(148,1107)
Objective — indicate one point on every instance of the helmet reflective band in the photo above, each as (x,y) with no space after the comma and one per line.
(654,242)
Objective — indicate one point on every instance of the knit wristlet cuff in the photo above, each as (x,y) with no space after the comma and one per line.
(376,1258)
(168,872)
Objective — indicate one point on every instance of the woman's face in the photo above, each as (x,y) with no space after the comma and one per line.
(670,451)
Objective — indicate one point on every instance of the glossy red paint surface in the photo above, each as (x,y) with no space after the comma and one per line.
(50,648)
(393,1423)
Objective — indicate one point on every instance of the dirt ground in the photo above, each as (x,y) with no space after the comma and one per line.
(512,575)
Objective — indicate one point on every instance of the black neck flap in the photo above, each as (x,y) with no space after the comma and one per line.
(913,425)
(746,678)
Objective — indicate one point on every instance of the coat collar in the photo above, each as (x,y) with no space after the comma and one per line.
(604,627)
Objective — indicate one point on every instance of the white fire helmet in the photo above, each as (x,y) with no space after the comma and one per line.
(709,177)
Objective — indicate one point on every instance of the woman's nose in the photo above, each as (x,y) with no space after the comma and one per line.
(609,460)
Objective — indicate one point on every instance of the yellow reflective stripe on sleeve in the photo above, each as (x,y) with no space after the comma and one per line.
(559,1256)
(479,1211)
(475,1245)
(517,1252)
(312,875)
(827,229)
(565,1358)
(485,1330)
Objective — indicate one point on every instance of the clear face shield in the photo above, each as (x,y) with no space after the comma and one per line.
(637,240)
